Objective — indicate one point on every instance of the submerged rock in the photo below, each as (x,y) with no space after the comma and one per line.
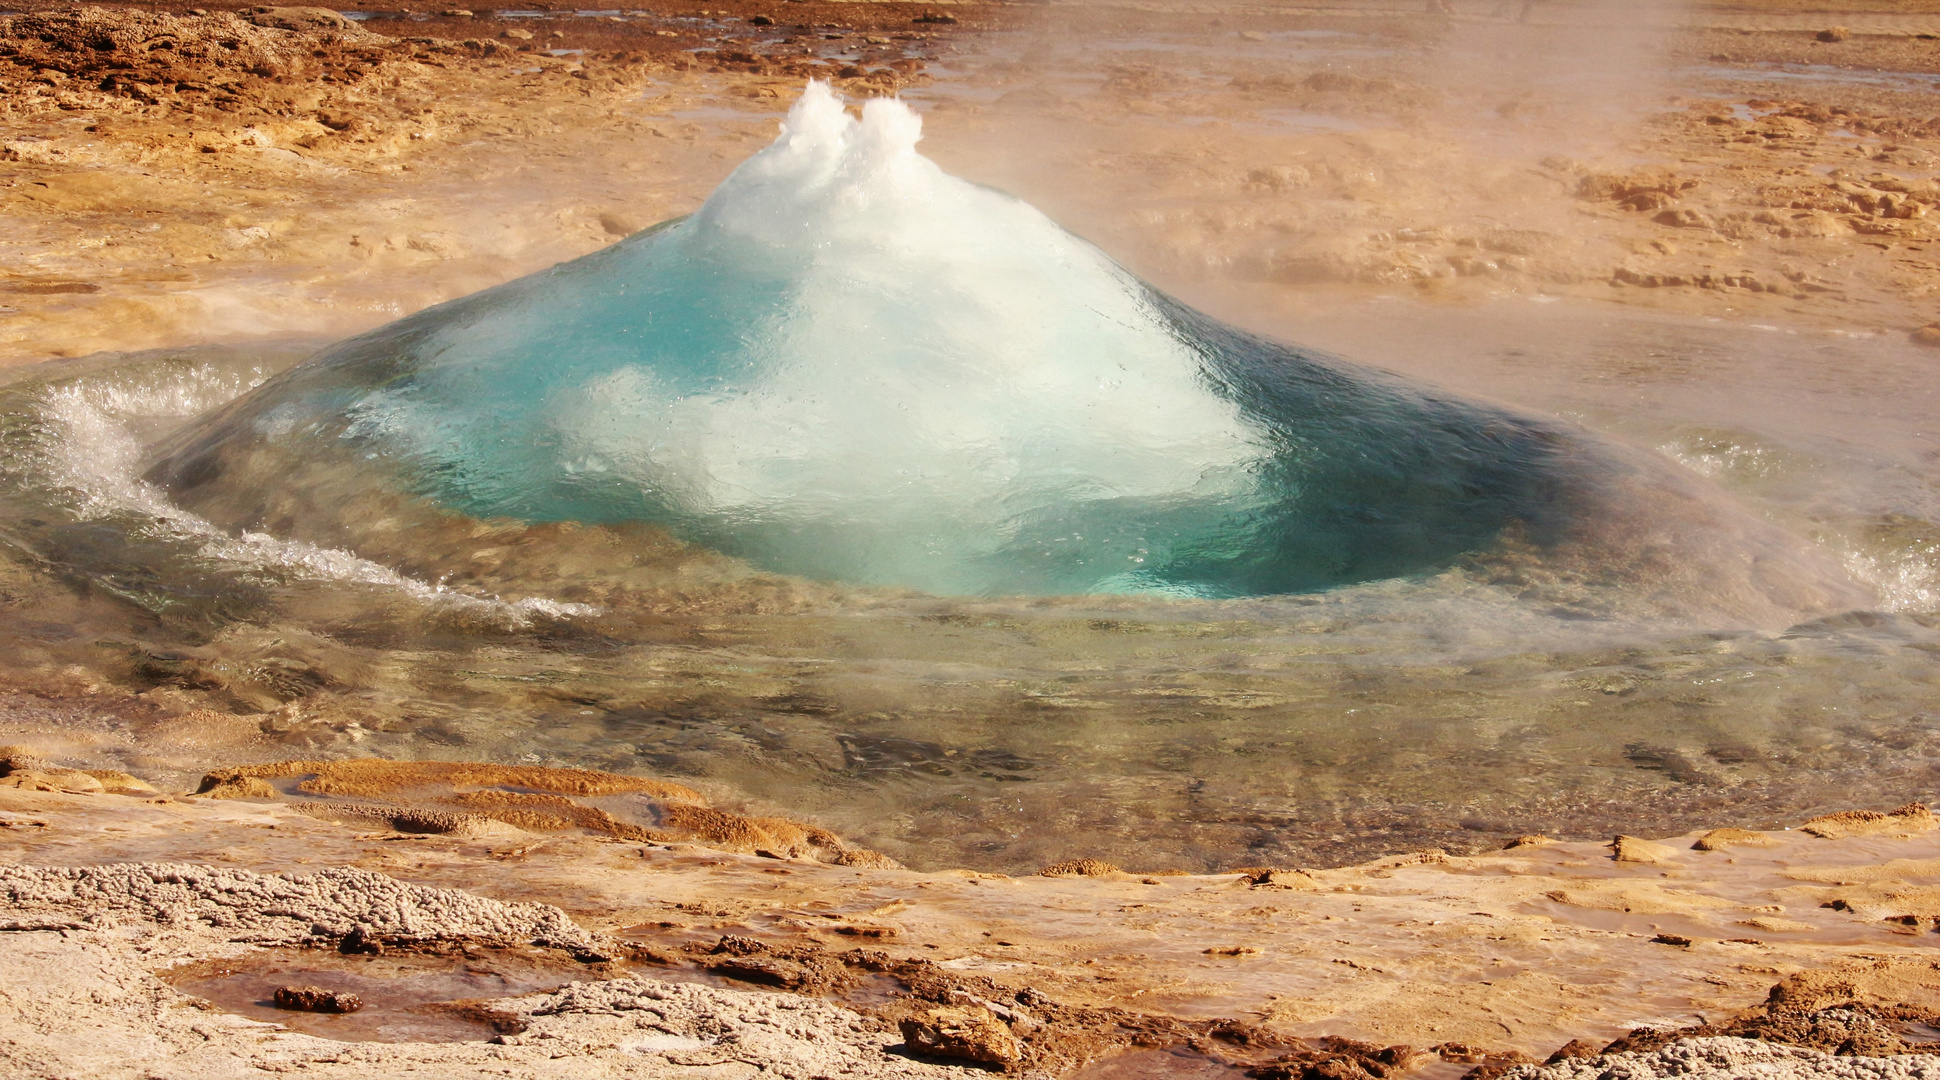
(316,999)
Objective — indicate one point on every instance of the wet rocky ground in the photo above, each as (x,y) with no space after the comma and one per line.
(176,927)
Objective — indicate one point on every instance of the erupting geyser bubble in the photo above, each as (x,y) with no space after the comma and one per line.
(849,365)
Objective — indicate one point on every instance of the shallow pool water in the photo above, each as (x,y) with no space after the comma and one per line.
(405,997)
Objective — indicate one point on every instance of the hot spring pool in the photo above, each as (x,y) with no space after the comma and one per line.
(870,496)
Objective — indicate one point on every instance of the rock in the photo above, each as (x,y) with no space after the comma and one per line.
(1282,879)
(1683,219)
(337,119)
(1332,1057)
(1642,190)
(1719,839)
(936,18)
(1678,940)
(1638,850)
(456,13)
(316,999)
(20,767)
(1815,223)
(763,20)
(1786,127)
(516,34)
(969,1034)
(296,18)
(234,786)
(1928,335)
(21,759)
(1232,950)
(1530,840)
(1626,276)
(1078,868)
(1913,817)
(116,782)
(71,781)
(1836,33)
(1575,1048)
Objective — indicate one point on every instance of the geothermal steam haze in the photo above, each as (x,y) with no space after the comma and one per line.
(1451,109)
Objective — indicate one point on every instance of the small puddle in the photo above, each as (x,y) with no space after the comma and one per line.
(406,997)
(451,996)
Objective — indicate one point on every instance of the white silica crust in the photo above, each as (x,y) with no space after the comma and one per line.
(1720,1058)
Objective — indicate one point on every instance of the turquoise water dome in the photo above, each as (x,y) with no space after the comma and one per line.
(851,366)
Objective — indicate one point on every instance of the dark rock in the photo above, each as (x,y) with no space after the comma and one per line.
(360,942)
(1336,1058)
(1575,1048)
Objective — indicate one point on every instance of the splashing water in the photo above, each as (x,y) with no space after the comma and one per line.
(89,453)
(851,366)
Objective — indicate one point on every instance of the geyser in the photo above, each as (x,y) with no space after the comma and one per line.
(851,366)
